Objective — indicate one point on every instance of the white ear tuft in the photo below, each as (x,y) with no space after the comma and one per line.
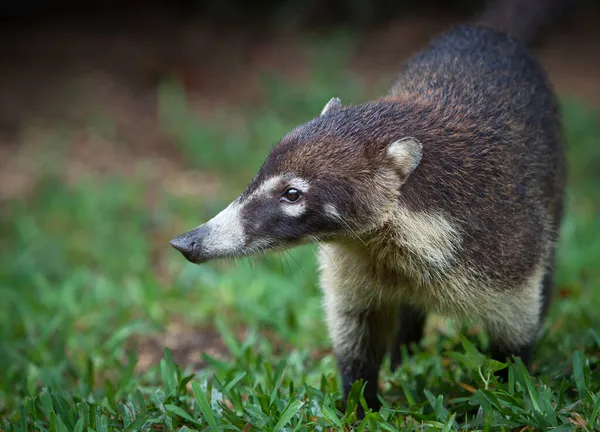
(406,155)
(334,104)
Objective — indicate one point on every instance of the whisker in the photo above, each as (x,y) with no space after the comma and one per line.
(292,257)
(287,262)
(316,240)
(252,265)
(339,217)
(280,262)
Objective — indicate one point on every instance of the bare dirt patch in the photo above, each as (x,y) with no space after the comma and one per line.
(187,346)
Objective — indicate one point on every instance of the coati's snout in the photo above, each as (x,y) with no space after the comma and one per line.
(190,244)
(222,236)
(276,211)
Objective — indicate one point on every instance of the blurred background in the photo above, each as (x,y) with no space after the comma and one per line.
(105,72)
(126,123)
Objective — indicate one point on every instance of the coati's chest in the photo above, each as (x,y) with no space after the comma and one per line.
(416,247)
(414,256)
(396,274)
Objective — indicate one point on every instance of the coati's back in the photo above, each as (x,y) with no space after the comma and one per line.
(489,124)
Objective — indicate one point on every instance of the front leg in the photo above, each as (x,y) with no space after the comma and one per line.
(361,337)
(515,322)
(361,319)
(411,323)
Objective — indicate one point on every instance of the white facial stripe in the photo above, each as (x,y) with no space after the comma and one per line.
(293,210)
(296,209)
(300,184)
(267,187)
(331,211)
(226,233)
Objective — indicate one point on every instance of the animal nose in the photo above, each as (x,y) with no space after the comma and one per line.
(188,247)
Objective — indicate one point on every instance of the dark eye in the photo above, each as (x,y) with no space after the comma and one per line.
(291,195)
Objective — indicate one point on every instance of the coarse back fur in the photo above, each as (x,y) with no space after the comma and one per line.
(492,160)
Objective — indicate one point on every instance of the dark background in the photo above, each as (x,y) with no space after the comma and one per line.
(63,62)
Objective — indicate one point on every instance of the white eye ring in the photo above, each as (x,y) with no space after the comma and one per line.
(291,195)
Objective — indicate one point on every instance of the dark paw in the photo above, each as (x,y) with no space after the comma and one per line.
(372,403)
(504,356)
(502,375)
(395,361)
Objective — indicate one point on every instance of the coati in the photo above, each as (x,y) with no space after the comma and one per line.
(445,196)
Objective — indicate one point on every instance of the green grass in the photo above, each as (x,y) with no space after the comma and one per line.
(86,273)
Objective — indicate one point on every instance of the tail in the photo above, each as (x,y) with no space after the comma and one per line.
(526,20)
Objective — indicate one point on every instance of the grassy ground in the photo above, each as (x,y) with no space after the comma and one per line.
(87,279)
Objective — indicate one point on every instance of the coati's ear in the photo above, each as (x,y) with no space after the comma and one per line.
(405,155)
(333,105)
